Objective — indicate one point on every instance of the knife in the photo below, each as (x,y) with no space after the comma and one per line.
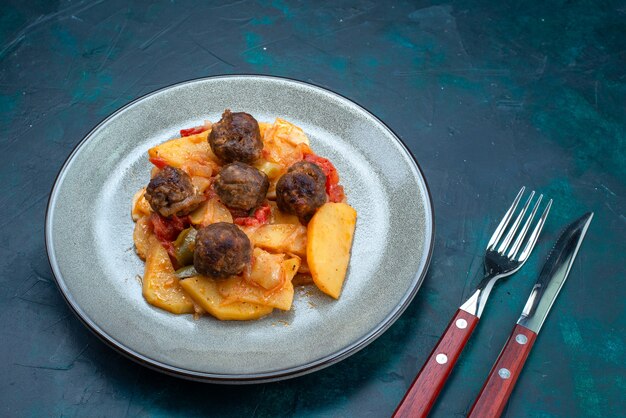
(499,385)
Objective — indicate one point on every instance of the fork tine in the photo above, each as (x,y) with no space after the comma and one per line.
(520,237)
(509,236)
(533,237)
(504,222)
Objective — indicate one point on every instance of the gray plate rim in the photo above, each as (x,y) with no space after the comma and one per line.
(236,378)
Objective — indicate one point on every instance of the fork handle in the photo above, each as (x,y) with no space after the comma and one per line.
(503,376)
(424,390)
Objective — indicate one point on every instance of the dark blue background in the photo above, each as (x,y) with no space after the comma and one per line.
(488,95)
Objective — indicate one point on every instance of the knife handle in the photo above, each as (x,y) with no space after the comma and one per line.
(502,377)
(424,390)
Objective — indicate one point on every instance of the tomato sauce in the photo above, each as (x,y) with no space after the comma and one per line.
(333,188)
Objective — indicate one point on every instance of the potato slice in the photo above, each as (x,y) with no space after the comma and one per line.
(330,234)
(271,170)
(236,289)
(140,207)
(280,217)
(142,236)
(210,212)
(180,151)
(271,191)
(201,183)
(161,287)
(282,238)
(204,291)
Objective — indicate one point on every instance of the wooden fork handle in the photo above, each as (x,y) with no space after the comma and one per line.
(499,385)
(424,390)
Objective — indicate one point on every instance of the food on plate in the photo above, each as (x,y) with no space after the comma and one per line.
(236,137)
(160,285)
(281,238)
(206,293)
(302,190)
(241,186)
(221,250)
(171,192)
(237,213)
(330,234)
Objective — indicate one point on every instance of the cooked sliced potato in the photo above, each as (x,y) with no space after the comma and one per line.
(236,289)
(249,230)
(290,267)
(201,183)
(140,207)
(210,212)
(280,217)
(142,236)
(180,151)
(204,291)
(271,191)
(266,269)
(272,170)
(282,238)
(161,287)
(330,234)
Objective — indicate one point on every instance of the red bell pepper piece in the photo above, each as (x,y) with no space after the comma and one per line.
(158,162)
(261,216)
(193,131)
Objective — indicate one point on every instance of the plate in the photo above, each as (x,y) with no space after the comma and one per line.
(90,248)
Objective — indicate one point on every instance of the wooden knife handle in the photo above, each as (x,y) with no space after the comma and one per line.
(499,385)
(424,390)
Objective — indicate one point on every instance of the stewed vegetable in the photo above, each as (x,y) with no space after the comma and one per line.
(222,225)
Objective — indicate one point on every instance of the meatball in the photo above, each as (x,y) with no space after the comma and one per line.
(171,192)
(241,186)
(236,137)
(302,190)
(222,250)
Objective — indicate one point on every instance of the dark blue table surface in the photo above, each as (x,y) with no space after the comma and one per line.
(489,96)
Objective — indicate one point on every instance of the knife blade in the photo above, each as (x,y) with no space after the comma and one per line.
(553,275)
(507,368)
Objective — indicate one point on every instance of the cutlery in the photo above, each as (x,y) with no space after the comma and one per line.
(502,258)
(499,385)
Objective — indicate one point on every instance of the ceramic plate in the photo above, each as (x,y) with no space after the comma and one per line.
(90,246)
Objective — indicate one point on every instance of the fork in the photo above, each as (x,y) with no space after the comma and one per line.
(502,258)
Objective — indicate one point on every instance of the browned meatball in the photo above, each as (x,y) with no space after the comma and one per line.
(241,186)
(222,250)
(171,192)
(302,190)
(236,137)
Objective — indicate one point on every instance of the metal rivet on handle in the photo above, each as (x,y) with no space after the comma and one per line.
(441,358)
(504,373)
(461,323)
(521,339)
